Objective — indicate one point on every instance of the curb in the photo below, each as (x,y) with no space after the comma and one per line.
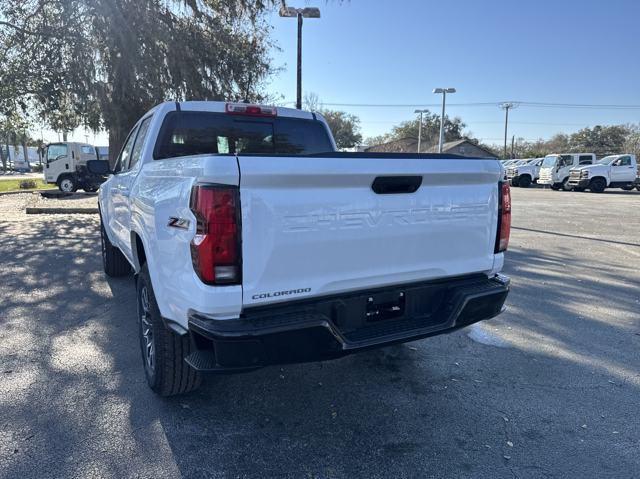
(17,192)
(55,211)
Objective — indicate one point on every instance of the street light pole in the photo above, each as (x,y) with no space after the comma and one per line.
(420,127)
(299,13)
(444,92)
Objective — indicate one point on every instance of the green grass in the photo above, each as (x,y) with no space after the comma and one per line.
(14,185)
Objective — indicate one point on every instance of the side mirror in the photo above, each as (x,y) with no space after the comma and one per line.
(98,167)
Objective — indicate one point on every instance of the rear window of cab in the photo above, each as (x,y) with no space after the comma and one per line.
(186,133)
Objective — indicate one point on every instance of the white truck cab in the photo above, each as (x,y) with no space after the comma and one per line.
(66,166)
(555,169)
(614,171)
(524,172)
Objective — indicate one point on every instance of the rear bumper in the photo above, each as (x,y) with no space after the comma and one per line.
(331,327)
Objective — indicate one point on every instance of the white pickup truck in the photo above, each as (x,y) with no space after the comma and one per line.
(615,171)
(253,242)
(524,172)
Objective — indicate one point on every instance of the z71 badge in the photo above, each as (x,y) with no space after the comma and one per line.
(178,223)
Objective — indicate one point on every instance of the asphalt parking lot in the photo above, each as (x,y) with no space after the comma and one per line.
(551,388)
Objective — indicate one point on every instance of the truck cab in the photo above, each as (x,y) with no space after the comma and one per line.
(66,166)
(614,171)
(554,170)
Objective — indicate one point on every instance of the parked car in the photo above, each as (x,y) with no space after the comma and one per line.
(554,170)
(66,166)
(254,242)
(615,171)
(525,173)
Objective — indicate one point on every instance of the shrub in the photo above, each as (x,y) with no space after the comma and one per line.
(36,168)
(28,184)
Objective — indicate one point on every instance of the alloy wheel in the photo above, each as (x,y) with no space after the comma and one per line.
(148,344)
(66,185)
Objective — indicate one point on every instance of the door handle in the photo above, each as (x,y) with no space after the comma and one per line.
(389,185)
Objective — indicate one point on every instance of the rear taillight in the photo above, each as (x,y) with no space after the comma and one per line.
(504,217)
(215,248)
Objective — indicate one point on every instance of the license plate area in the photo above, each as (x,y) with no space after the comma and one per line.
(384,306)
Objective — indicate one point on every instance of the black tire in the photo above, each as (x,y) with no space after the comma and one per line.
(113,261)
(566,186)
(627,187)
(578,188)
(91,189)
(515,182)
(163,351)
(524,181)
(67,184)
(598,185)
(555,186)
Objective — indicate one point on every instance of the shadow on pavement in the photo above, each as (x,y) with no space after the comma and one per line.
(560,400)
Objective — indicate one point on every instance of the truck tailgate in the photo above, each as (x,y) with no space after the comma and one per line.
(315,226)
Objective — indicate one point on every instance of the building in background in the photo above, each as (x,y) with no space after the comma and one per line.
(463,147)
(16,159)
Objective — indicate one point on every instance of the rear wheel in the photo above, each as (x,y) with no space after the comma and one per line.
(627,187)
(67,184)
(515,182)
(566,186)
(524,181)
(113,261)
(578,188)
(597,185)
(163,351)
(555,186)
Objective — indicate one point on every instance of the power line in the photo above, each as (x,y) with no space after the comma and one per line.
(483,122)
(532,104)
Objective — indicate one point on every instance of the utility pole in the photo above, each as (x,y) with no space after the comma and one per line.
(420,127)
(299,13)
(444,92)
(506,107)
(299,73)
(513,140)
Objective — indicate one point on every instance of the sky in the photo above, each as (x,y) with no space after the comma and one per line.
(395,53)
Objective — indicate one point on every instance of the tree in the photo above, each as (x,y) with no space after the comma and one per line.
(103,63)
(13,128)
(345,128)
(632,142)
(453,130)
(601,140)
